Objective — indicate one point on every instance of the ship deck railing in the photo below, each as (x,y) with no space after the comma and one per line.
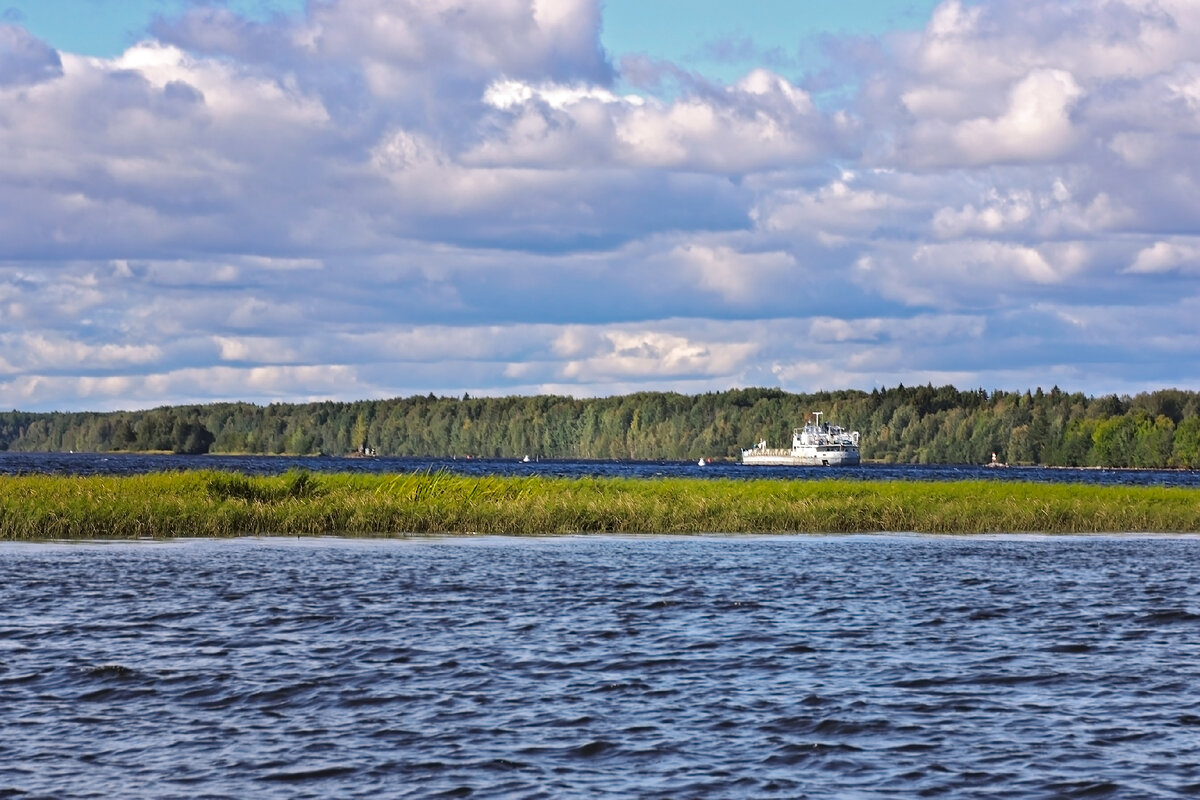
(768,451)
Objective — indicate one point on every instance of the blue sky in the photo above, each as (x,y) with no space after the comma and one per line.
(716,37)
(266,200)
(724,39)
(107,27)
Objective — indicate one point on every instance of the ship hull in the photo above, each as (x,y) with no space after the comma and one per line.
(791,458)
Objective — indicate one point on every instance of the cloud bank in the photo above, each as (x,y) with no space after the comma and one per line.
(390,197)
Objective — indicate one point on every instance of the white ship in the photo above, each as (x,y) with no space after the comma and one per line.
(814,445)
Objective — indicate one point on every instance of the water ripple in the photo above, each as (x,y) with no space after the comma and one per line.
(855,667)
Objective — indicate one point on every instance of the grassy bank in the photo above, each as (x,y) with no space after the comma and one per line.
(223,504)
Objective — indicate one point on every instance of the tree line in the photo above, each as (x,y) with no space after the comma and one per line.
(921,424)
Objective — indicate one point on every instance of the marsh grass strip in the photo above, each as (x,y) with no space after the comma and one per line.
(212,503)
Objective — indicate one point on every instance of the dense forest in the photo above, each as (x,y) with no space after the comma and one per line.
(920,424)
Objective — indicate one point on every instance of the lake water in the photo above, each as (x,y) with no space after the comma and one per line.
(601,666)
(132,463)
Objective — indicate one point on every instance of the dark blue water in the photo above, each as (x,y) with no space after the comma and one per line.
(125,464)
(654,667)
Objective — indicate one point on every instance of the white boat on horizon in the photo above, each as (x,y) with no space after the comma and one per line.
(814,445)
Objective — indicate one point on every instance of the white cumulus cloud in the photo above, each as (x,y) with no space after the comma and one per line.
(381,197)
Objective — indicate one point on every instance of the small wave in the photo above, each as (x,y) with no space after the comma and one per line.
(367,700)
(573,722)
(789,725)
(1086,789)
(704,646)
(922,683)
(790,754)
(623,686)
(26,677)
(738,605)
(914,747)
(1121,737)
(592,749)
(842,727)
(317,774)
(172,615)
(988,613)
(1017,680)
(119,671)
(114,694)
(1167,616)
(504,765)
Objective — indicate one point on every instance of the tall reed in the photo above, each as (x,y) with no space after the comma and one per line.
(187,504)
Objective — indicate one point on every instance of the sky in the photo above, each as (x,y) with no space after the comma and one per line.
(275,200)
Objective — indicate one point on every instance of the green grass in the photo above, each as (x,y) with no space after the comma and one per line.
(189,504)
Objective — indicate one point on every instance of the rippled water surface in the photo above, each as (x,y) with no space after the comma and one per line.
(850,667)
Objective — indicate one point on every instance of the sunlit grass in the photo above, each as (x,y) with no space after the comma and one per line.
(209,504)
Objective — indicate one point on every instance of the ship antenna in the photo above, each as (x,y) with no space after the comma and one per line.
(817,414)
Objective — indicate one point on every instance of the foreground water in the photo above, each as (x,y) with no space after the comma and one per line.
(655,667)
